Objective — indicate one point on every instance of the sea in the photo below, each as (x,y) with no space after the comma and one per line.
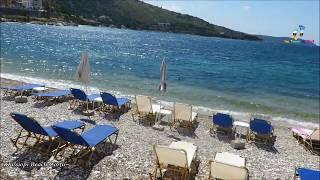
(213,74)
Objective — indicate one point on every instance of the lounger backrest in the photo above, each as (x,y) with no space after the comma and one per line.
(315,135)
(109,99)
(144,104)
(260,126)
(28,123)
(70,136)
(79,94)
(306,173)
(225,171)
(223,120)
(166,155)
(183,111)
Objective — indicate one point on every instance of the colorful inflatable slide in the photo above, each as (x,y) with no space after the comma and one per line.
(296,38)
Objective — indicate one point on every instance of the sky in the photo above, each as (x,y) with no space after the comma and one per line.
(264,17)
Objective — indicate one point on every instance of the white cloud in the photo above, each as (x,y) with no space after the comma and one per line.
(246,7)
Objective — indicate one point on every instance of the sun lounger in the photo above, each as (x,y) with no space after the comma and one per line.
(54,94)
(306,174)
(300,133)
(144,109)
(81,97)
(86,142)
(228,166)
(177,157)
(312,142)
(261,131)
(20,89)
(113,103)
(183,116)
(297,131)
(37,132)
(222,123)
(309,138)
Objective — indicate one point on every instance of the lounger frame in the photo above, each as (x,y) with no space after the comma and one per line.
(12,92)
(80,151)
(261,138)
(211,161)
(215,129)
(144,113)
(182,120)
(312,142)
(53,99)
(17,141)
(296,175)
(210,173)
(83,101)
(21,140)
(183,171)
(113,108)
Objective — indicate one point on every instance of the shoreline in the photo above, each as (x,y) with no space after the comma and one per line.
(59,21)
(134,158)
(242,116)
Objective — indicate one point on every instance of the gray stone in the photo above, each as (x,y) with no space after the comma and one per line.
(88,113)
(237,144)
(21,99)
(158,127)
(134,156)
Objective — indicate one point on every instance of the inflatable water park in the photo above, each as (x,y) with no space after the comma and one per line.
(297,37)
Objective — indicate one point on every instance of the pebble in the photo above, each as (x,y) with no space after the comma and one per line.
(134,158)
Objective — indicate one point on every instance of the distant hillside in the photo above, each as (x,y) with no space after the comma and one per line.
(273,39)
(138,15)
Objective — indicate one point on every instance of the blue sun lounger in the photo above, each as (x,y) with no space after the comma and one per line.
(21,88)
(222,123)
(36,131)
(306,174)
(115,103)
(87,141)
(261,130)
(81,97)
(54,94)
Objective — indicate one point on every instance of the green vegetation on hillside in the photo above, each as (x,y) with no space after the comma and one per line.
(135,14)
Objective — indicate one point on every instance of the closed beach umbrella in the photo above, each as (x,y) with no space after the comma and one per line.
(163,77)
(83,71)
(163,85)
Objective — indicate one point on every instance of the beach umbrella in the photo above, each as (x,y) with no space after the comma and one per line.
(83,71)
(163,77)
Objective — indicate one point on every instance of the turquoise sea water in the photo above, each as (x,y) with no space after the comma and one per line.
(279,80)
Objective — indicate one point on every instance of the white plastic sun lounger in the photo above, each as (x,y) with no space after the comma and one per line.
(228,166)
(147,110)
(177,154)
(184,115)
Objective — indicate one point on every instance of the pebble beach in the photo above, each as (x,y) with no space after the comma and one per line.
(133,157)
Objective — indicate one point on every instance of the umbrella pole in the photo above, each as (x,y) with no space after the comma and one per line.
(87,106)
(86,87)
(159,114)
(87,101)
